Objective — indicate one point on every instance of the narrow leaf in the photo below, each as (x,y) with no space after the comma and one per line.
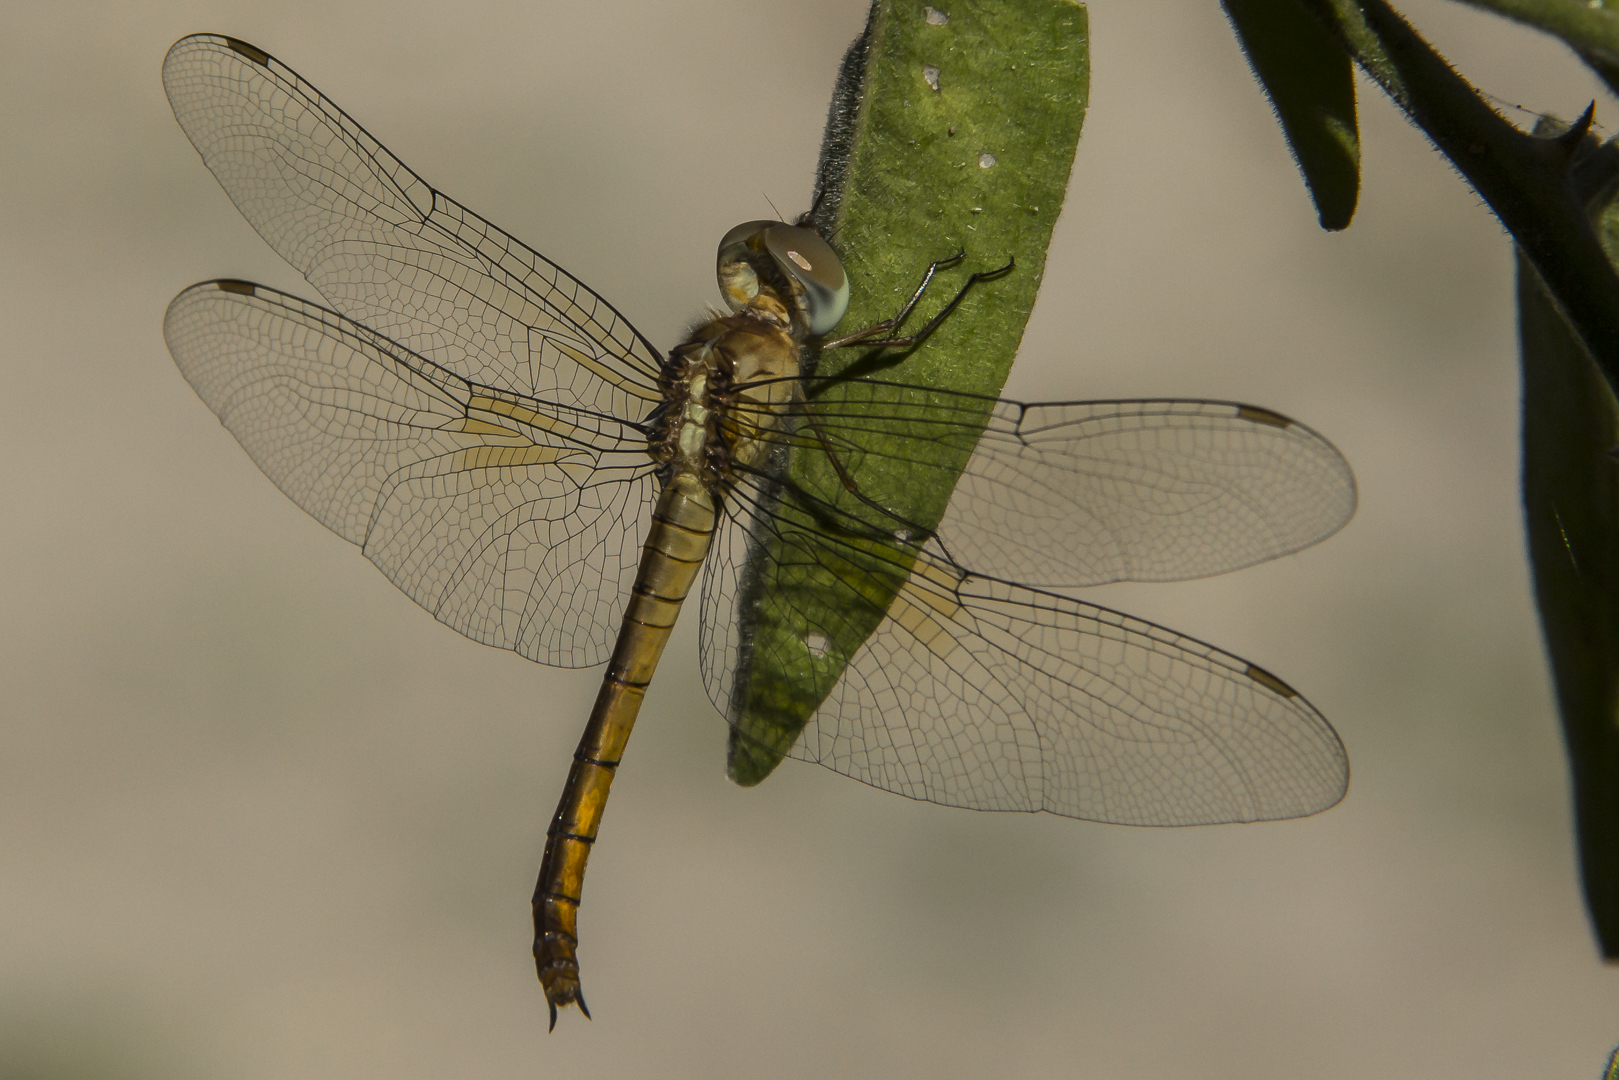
(954,128)
(1571,507)
(1311,85)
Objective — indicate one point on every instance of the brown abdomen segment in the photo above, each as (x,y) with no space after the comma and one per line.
(682,529)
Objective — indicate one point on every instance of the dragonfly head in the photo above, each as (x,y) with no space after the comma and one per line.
(792,262)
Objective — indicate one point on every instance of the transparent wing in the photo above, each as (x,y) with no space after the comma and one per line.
(1084,493)
(387,250)
(981,693)
(514,520)
(976,692)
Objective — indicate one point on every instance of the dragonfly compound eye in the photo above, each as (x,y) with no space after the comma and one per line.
(808,263)
(815,271)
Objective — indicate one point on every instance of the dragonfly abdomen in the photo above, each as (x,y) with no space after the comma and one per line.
(682,529)
(726,388)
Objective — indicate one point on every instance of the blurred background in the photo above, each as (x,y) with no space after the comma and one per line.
(260,816)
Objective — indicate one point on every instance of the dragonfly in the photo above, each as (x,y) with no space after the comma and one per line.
(522,462)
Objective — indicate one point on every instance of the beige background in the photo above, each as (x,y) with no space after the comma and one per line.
(262,817)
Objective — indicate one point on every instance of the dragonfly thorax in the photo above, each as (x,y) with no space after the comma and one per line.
(726,389)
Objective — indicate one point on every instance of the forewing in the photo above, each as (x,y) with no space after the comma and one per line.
(1084,493)
(387,250)
(1090,492)
(515,521)
(976,692)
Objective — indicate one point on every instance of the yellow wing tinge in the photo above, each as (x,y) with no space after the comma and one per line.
(502,447)
(607,374)
(928,611)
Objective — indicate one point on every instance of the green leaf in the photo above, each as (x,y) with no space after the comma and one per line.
(953,129)
(1571,507)
(1311,85)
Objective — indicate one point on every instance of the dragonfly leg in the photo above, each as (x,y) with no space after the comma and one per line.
(904,313)
(870,336)
(915,531)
